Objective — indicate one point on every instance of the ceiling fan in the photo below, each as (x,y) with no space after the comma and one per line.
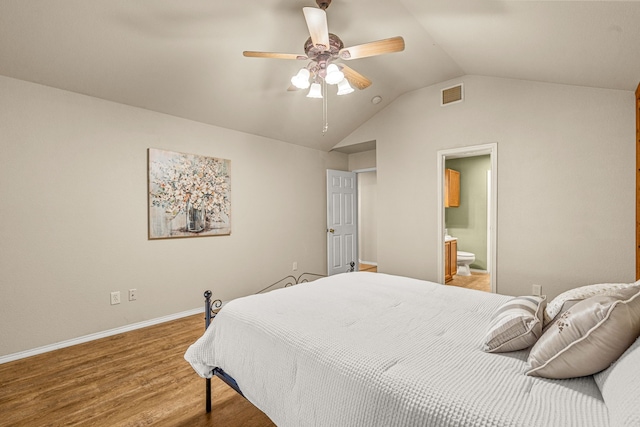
(324,49)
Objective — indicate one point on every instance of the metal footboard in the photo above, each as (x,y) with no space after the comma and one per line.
(211,309)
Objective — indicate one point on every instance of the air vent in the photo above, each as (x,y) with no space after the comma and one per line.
(451,95)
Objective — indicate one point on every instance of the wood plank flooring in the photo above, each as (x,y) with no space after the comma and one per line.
(368,267)
(137,378)
(478,281)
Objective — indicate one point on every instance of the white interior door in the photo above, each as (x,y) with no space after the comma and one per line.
(342,226)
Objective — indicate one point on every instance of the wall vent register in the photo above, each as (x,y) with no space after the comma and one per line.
(451,95)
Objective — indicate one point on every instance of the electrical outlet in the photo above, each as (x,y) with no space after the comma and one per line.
(536,290)
(133,294)
(115,297)
(295,265)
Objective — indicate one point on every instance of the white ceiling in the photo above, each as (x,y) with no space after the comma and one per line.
(184,58)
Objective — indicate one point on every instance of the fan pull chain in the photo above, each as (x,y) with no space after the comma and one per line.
(324,107)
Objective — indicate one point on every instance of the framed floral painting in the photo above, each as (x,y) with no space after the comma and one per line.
(189,195)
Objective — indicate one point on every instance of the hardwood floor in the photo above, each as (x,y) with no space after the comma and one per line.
(132,379)
(478,281)
(368,267)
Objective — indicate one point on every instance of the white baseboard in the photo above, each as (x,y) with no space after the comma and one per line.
(368,262)
(98,335)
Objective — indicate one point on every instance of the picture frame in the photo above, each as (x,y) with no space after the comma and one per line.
(189,195)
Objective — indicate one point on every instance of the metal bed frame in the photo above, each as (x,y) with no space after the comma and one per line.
(211,309)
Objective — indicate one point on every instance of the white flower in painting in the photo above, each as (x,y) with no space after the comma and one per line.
(201,181)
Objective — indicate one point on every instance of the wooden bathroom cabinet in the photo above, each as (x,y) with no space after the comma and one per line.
(451,188)
(450,259)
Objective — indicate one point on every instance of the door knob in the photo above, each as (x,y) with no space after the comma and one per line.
(331,230)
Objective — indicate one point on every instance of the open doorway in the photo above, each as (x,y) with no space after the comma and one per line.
(471,227)
(362,163)
(367,220)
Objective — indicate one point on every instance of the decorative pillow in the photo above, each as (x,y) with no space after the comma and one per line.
(567,299)
(516,325)
(620,387)
(588,337)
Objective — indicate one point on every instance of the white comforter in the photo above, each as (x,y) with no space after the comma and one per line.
(369,349)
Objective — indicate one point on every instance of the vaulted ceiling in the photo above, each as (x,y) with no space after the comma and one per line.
(184,58)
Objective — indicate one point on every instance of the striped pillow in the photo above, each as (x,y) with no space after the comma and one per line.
(515,325)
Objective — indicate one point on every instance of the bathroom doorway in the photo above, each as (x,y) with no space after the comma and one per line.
(473,223)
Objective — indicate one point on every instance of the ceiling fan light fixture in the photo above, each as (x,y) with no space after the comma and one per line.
(344,88)
(315,91)
(334,75)
(301,80)
(321,49)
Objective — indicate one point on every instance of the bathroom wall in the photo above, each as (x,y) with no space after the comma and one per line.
(468,222)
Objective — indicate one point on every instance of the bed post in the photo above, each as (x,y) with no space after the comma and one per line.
(207,309)
(207,321)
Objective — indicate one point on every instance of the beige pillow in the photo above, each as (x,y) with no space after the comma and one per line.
(515,325)
(620,388)
(569,298)
(588,337)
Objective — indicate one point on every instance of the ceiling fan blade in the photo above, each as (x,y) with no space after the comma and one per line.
(292,88)
(355,78)
(317,24)
(394,44)
(253,54)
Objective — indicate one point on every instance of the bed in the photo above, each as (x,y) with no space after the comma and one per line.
(370,349)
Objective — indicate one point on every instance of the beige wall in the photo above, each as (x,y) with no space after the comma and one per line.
(566,189)
(73,223)
(73,216)
(363,160)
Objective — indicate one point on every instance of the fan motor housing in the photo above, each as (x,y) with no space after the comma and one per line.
(335,44)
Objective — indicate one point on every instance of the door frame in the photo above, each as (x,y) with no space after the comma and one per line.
(638,182)
(358,172)
(471,151)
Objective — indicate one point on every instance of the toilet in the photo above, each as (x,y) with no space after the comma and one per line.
(465,259)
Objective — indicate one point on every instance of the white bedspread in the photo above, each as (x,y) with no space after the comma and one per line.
(369,349)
